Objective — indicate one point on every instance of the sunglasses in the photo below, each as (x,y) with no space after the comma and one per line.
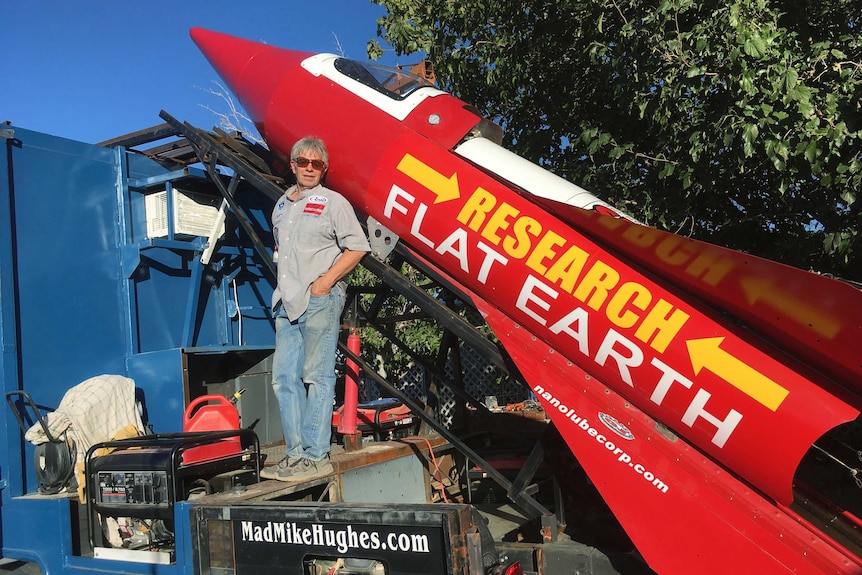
(303,162)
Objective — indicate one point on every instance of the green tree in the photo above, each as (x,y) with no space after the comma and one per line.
(736,122)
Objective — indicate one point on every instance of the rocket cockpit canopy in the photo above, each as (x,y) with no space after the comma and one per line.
(392,82)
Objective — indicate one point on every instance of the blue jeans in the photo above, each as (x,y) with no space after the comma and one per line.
(303,374)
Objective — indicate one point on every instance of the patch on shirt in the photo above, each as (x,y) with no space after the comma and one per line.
(315,205)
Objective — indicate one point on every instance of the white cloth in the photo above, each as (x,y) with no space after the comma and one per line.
(91,412)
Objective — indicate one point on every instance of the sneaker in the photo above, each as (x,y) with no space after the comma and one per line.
(274,471)
(304,469)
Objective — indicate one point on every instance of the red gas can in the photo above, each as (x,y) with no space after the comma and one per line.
(211,413)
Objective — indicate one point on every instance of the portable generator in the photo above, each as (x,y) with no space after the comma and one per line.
(140,479)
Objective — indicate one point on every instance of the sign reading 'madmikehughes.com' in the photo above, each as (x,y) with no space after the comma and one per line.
(404,548)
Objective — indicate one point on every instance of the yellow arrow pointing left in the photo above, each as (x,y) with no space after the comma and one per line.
(707,353)
(800,311)
(445,188)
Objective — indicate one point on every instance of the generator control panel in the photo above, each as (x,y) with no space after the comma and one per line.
(133,487)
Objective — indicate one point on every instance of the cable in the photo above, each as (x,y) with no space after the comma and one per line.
(238,311)
(436,468)
(853,471)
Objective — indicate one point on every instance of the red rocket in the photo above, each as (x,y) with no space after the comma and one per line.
(690,381)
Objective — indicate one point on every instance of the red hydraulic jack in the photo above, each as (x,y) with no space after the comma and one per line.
(380,418)
(346,414)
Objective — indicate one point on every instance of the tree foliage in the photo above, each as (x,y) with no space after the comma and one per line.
(736,122)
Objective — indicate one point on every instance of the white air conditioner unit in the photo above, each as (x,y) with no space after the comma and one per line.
(194,214)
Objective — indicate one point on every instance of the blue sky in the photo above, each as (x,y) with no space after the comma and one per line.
(91,70)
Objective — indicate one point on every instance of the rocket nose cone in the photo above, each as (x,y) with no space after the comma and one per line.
(229,55)
(252,70)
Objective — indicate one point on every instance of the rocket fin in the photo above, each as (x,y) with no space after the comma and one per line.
(664,492)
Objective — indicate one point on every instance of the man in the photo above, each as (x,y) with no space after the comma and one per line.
(318,240)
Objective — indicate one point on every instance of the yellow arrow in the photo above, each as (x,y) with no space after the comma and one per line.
(800,311)
(707,353)
(444,188)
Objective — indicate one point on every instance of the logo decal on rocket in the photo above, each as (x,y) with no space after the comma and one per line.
(614,425)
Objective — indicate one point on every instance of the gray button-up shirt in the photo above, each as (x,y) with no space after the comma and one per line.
(310,233)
